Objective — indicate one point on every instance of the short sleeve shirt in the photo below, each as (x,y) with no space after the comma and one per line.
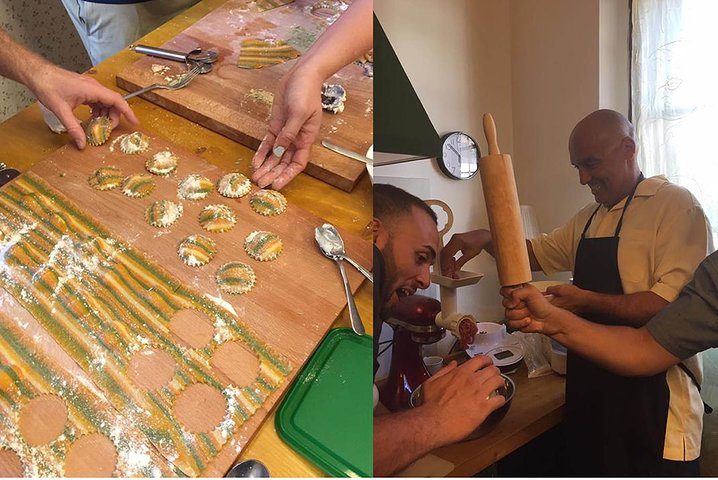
(695,310)
(664,236)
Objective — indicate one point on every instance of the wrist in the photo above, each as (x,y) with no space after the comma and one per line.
(438,426)
(568,326)
(36,75)
(309,71)
(430,434)
(585,300)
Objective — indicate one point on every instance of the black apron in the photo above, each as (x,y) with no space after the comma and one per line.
(615,426)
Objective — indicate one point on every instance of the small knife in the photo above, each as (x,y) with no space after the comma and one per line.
(347,153)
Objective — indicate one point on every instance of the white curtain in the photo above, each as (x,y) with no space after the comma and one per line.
(675,94)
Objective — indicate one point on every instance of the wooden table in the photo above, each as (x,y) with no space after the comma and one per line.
(536,407)
(25,140)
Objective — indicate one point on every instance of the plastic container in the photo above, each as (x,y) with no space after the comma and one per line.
(327,414)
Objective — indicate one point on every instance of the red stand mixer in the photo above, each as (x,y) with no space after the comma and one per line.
(414,324)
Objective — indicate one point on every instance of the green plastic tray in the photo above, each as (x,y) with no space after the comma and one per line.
(327,414)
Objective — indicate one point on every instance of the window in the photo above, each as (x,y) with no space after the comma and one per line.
(675,94)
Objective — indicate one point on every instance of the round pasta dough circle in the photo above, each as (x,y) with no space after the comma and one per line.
(162,163)
(138,185)
(194,187)
(105,178)
(163,213)
(217,218)
(268,202)
(235,278)
(134,143)
(197,250)
(233,185)
(263,246)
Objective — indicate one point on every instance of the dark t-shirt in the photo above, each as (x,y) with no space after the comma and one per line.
(690,324)
(379,279)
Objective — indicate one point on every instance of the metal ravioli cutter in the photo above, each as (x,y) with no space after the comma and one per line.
(204,59)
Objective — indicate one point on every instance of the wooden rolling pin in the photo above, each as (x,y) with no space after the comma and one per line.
(502,205)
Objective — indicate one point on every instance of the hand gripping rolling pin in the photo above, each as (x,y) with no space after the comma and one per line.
(502,206)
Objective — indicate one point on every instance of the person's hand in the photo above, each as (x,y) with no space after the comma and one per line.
(568,297)
(293,127)
(470,244)
(61,91)
(457,397)
(528,310)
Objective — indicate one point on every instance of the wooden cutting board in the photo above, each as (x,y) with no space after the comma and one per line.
(297,296)
(232,101)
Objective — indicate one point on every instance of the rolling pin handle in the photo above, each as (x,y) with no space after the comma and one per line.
(490,132)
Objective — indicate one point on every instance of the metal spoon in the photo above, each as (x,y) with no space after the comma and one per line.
(249,469)
(332,243)
(357,326)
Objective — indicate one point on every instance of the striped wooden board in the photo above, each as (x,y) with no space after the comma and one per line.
(105,304)
(85,270)
(26,375)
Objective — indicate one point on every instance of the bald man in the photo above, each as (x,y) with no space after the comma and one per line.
(631,251)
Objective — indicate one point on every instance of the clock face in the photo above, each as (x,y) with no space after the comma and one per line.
(460,156)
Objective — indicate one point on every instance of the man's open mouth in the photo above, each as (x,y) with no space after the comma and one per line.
(404,292)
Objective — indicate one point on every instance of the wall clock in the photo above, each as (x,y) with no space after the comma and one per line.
(459,156)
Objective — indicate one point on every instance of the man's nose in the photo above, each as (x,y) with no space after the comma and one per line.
(583,176)
(424,278)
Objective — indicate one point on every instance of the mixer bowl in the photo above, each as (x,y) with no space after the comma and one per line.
(507,391)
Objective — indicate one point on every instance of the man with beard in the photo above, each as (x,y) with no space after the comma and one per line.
(456,398)
(630,252)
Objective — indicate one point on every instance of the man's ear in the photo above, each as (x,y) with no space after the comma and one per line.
(379,233)
(629,146)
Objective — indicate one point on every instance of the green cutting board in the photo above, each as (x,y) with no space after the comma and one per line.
(327,415)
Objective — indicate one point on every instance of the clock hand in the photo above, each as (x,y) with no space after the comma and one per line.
(454,149)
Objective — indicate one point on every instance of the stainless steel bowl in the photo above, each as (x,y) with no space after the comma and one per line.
(507,391)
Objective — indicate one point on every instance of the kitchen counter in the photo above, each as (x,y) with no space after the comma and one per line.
(536,407)
(25,140)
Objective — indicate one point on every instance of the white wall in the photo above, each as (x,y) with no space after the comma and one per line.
(554,60)
(538,66)
(456,54)
(568,59)
(614,58)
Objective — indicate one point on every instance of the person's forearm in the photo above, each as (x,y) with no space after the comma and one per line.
(346,40)
(401,438)
(19,63)
(625,351)
(633,310)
